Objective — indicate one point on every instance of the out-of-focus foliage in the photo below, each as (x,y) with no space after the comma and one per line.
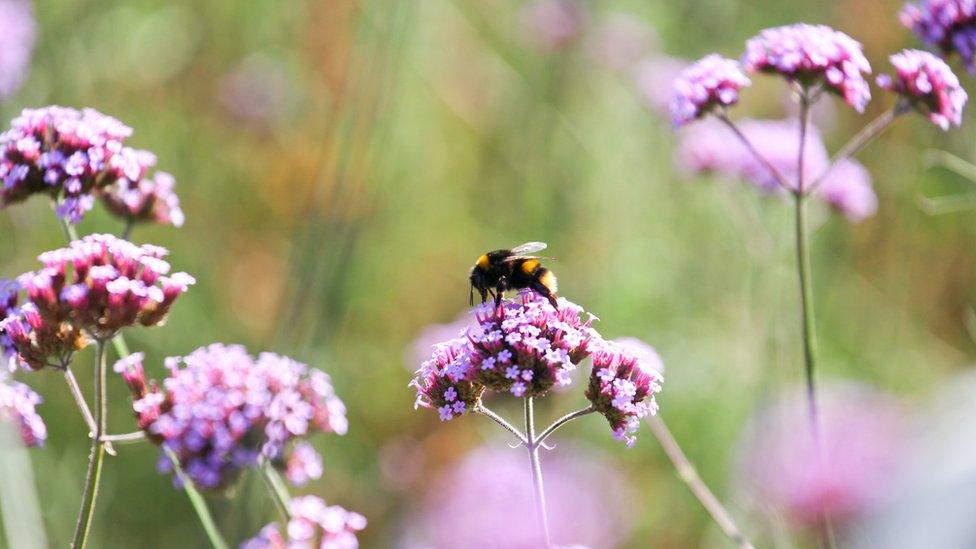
(341,164)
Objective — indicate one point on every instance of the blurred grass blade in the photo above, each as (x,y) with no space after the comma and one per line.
(932,158)
(18,498)
(947,204)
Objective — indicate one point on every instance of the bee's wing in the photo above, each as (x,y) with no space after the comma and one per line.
(528,248)
(518,257)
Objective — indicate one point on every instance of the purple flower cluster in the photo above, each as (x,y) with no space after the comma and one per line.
(313,525)
(526,346)
(949,25)
(713,148)
(446,381)
(862,439)
(811,55)
(622,386)
(711,82)
(16,43)
(223,410)
(72,156)
(97,285)
(146,200)
(928,84)
(17,407)
(9,291)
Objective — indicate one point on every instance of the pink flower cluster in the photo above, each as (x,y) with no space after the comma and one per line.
(313,525)
(18,407)
(622,386)
(526,347)
(928,84)
(223,410)
(146,200)
(949,25)
(99,285)
(72,156)
(711,82)
(711,147)
(811,55)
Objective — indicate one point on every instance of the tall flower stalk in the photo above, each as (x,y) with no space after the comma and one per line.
(96,455)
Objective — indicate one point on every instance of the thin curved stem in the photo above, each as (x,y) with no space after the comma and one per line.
(777,175)
(536,468)
(96,456)
(79,397)
(125,438)
(481,409)
(689,475)
(277,489)
(860,140)
(563,421)
(196,500)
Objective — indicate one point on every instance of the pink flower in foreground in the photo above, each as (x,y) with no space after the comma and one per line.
(928,84)
(18,408)
(486,502)
(861,431)
(313,524)
(812,55)
(711,82)
(16,44)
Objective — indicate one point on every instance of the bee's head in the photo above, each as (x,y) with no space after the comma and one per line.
(478,282)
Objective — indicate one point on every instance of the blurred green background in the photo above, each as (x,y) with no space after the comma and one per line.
(394,141)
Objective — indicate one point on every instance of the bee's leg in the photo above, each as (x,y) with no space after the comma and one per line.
(500,290)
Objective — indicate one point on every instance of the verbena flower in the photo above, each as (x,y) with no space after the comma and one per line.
(949,25)
(711,147)
(18,408)
(525,346)
(69,155)
(446,382)
(812,55)
(862,439)
(928,84)
(146,200)
(221,410)
(16,44)
(847,187)
(9,290)
(622,386)
(485,501)
(313,524)
(553,25)
(101,284)
(711,82)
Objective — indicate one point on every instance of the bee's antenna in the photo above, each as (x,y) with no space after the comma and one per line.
(471,296)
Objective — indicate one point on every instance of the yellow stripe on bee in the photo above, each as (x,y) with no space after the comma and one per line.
(529,266)
(549,281)
(482,261)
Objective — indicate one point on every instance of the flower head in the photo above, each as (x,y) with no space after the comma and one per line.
(812,55)
(949,25)
(220,410)
(146,200)
(861,440)
(446,382)
(16,43)
(69,155)
(847,187)
(17,407)
(622,386)
(711,82)
(312,524)
(526,346)
(928,84)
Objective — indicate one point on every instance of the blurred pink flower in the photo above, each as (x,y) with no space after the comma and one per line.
(16,43)
(486,501)
(928,84)
(847,187)
(620,40)
(553,25)
(862,432)
(255,89)
(654,78)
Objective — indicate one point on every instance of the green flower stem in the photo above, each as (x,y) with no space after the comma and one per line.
(689,475)
(277,489)
(536,467)
(196,500)
(563,421)
(483,410)
(95,457)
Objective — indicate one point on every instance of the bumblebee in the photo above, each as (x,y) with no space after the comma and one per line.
(514,269)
